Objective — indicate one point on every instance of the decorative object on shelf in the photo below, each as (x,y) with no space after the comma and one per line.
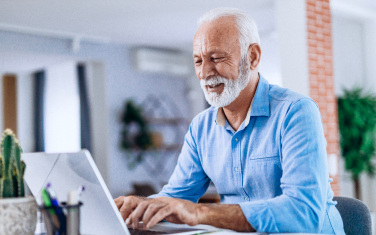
(136,136)
(157,139)
(153,133)
(18,214)
(164,117)
(357,126)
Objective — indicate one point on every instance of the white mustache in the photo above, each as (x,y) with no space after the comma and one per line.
(214,81)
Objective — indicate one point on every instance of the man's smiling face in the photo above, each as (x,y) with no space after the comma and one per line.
(217,57)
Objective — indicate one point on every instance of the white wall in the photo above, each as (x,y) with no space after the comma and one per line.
(98,100)
(354,56)
(348,53)
(291,26)
(62,109)
(25,105)
(369,40)
(270,66)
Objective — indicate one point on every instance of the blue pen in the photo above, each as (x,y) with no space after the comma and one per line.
(59,211)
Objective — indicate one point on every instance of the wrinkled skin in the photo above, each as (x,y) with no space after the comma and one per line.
(216,51)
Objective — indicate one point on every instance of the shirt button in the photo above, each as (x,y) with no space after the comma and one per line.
(246,198)
(236,169)
(236,139)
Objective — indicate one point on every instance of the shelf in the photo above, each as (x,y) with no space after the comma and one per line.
(169,147)
(166,121)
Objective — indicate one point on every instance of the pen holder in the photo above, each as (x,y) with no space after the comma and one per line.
(68,225)
(49,221)
(73,218)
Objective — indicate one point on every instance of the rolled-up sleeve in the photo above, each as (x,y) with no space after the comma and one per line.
(302,205)
(188,180)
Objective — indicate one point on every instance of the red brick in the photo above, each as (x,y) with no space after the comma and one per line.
(320,61)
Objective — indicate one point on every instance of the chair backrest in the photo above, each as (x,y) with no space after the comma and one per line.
(355,215)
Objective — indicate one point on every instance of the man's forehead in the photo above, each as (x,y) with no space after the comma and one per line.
(216,35)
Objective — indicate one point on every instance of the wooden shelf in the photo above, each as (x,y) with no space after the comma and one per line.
(170,147)
(166,121)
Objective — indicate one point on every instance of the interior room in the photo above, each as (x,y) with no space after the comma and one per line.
(71,70)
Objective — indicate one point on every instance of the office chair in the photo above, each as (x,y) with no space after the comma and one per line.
(355,215)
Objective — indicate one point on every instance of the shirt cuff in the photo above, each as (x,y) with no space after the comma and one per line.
(159,195)
(259,215)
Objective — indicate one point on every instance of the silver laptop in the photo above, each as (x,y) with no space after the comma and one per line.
(68,171)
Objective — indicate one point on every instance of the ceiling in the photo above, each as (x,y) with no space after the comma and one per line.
(165,23)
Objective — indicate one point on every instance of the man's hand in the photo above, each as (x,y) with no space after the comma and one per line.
(127,204)
(151,211)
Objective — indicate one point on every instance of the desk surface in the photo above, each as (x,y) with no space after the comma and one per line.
(225,231)
(216,231)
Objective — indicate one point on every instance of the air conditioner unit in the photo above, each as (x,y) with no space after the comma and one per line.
(163,61)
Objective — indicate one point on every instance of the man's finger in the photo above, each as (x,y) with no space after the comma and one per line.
(129,220)
(150,211)
(127,207)
(138,213)
(119,202)
(160,215)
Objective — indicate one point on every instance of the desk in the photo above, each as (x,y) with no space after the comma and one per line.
(206,227)
(226,231)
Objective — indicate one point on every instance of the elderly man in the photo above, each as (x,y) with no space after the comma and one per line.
(262,146)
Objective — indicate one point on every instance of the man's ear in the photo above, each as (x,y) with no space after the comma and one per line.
(254,55)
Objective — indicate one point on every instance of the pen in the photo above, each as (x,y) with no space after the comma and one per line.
(47,203)
(59,211)
(79,191)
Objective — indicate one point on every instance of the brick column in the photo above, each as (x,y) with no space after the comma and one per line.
(321,81)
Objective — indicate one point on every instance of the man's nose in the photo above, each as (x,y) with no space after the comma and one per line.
(207,69)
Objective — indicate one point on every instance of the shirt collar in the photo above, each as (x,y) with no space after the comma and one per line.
(259,104)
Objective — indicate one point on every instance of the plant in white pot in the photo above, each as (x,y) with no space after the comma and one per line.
(18,214)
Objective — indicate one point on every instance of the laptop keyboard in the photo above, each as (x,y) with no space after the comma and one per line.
(133,231)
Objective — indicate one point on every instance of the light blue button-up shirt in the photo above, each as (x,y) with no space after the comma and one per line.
(274,166)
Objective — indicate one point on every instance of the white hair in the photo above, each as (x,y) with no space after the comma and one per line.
(246,25)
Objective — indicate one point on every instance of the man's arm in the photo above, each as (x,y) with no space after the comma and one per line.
(189,180)
(150,212)
(224,216)
(304,183)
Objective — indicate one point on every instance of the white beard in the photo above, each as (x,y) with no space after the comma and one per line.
(232,88)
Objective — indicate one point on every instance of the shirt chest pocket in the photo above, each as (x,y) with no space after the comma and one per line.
(265,160)
(263,175)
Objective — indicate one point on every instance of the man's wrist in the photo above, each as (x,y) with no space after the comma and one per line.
(202,213)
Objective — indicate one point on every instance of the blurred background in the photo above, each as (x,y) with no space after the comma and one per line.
(72,70)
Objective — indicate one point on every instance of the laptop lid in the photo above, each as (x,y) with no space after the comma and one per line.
(68,171)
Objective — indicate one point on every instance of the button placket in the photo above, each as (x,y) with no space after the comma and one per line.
(237,163)
(236,160)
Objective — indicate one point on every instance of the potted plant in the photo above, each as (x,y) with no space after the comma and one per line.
(136,138)
(357,126)
(18,214)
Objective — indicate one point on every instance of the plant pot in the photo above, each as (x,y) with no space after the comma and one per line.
(18,216)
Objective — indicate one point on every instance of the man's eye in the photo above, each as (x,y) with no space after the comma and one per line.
(218,58)
(198,62)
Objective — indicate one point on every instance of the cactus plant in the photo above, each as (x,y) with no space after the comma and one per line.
(12,168)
